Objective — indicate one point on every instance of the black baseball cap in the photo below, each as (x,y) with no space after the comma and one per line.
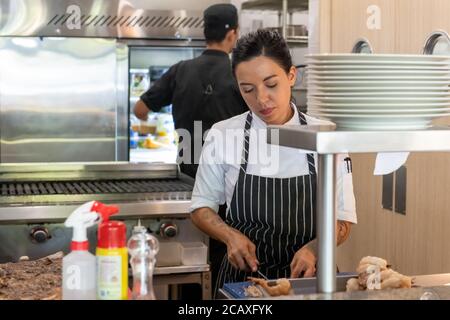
(219,18)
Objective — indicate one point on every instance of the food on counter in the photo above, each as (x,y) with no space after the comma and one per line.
(281,287)
(147,128)
(32,280)
(353,285)
(253,291)
(375,274)
(151,143)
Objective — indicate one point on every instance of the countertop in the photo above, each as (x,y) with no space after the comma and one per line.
(425,287)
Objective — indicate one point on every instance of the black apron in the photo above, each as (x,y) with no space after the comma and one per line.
(276,214)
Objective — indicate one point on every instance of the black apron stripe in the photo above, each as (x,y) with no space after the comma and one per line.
(313,203)
(283,207)
(274,222)
(296,203)
(291,235)
(304,209)
(254,207)
(266,240)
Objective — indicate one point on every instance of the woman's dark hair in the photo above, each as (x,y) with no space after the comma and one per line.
(263,42)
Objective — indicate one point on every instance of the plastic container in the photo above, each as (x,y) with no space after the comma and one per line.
(149,126)
(134,139)
(194,253)
(142,248)
(169,254)
(79,276)
(112,257)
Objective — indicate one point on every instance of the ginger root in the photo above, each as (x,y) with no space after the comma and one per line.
(374,274)
(282,286)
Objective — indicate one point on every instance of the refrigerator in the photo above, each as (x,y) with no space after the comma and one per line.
(154,140)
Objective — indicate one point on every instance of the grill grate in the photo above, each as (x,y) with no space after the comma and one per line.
(130,21)
(93,187)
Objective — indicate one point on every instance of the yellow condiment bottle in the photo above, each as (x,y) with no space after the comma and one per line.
(112,259)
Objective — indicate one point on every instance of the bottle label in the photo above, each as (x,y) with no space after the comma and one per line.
(109,277)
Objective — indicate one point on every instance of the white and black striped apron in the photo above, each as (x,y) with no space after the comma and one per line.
(276,214)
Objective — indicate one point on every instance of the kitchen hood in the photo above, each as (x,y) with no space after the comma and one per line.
(99,19)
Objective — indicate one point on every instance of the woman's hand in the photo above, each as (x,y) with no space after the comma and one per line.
(241,252)
(304,262)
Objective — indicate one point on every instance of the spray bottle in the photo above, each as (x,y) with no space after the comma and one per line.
(79,266)
(112,257)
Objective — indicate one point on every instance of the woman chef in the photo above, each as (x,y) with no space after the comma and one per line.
(269,190)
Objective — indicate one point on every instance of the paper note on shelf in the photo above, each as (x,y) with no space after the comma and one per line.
(389,162)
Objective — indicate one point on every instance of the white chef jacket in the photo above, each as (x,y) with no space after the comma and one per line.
(221,158)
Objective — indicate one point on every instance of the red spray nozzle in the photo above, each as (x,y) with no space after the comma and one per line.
(104,210)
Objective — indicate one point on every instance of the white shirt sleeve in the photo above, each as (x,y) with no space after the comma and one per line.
(345,198)
(209,188)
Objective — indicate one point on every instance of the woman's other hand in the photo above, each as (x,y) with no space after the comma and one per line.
(304,262)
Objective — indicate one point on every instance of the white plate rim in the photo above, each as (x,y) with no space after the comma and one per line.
(388,78)
(379,98)
(376,93)
(368,62)
(376,56)
(378,72)
(377,67)
(400,111)
(385,105)
(380,88)
(379,81)
(369,116)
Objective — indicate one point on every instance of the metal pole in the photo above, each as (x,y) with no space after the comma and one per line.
(326,226)
(284,18)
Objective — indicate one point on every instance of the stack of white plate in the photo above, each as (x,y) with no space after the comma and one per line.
(379,91)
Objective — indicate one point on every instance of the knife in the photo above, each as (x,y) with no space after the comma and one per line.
(262,275)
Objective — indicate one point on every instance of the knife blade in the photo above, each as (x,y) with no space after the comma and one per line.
(262,275)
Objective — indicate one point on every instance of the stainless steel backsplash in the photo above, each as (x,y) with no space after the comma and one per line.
(63,100)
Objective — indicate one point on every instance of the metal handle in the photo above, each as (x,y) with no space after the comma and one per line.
(433,39)
(361,45)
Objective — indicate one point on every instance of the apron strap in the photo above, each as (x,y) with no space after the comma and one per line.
(248,124)
(309,156)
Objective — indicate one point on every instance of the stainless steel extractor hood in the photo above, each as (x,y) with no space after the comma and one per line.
(94,18)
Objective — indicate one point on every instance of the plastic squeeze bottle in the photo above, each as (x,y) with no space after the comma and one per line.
(112,257)
(142,248)
(79,274)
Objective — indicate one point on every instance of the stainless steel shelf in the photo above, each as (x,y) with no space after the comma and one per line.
(300,40)
(128,210)
(328,140)
(181,269)
(293,5)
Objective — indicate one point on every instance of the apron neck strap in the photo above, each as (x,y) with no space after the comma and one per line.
(246,149)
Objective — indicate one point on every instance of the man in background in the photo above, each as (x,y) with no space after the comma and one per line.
(202,89)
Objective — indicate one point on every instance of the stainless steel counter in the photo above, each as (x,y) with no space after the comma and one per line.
(426,287)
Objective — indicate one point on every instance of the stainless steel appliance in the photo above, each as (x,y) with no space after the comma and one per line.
(64,127)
